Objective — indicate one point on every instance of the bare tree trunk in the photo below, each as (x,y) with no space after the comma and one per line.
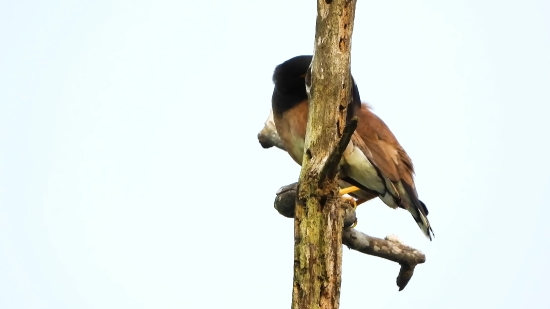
(318,220)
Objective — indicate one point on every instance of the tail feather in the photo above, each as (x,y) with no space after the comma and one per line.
(418,210)
(423,208)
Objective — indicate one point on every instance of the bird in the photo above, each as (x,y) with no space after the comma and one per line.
(374,164)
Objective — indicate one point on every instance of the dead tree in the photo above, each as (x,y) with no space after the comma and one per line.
(319,215)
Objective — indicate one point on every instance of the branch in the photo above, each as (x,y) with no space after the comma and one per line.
(389,248)
(268,136)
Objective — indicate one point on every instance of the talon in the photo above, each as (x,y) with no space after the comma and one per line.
(352,201)
(354,224)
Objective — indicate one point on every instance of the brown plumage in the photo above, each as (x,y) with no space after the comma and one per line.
(291,127)
(380,146)
(374,161)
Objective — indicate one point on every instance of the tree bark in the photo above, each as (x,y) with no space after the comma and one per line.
(390,248)
(318,222)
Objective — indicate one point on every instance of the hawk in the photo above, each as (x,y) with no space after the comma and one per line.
(374,164)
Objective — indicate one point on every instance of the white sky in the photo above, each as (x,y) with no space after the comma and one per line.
(131,177)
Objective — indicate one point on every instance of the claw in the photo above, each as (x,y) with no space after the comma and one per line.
(354,202)
(351,200)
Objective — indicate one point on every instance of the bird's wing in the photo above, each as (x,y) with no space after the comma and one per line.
(392,164)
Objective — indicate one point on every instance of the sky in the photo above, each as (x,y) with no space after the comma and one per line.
(131,175)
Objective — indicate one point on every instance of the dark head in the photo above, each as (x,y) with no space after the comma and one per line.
(290,84)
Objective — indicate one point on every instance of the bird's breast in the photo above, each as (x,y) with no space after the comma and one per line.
(291,127)
(293,142)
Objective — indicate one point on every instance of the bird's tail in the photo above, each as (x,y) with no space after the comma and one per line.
(422,221)
(418,210)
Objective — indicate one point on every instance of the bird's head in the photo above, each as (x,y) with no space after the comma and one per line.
(292,71)
(290,85)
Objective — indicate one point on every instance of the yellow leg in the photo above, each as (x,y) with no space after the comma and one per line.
(349,190)
(352,200)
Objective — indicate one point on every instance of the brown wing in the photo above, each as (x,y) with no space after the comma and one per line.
(291,128)
(386,152)
(395,168)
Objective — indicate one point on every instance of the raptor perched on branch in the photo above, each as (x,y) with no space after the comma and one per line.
(373,165)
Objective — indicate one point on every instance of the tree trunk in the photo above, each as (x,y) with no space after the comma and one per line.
(318,220)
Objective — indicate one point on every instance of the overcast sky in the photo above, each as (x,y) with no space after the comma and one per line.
(131,176)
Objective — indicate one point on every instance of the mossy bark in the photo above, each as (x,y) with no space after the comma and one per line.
(318,220)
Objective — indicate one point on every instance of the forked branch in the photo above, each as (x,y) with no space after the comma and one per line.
(389,248)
